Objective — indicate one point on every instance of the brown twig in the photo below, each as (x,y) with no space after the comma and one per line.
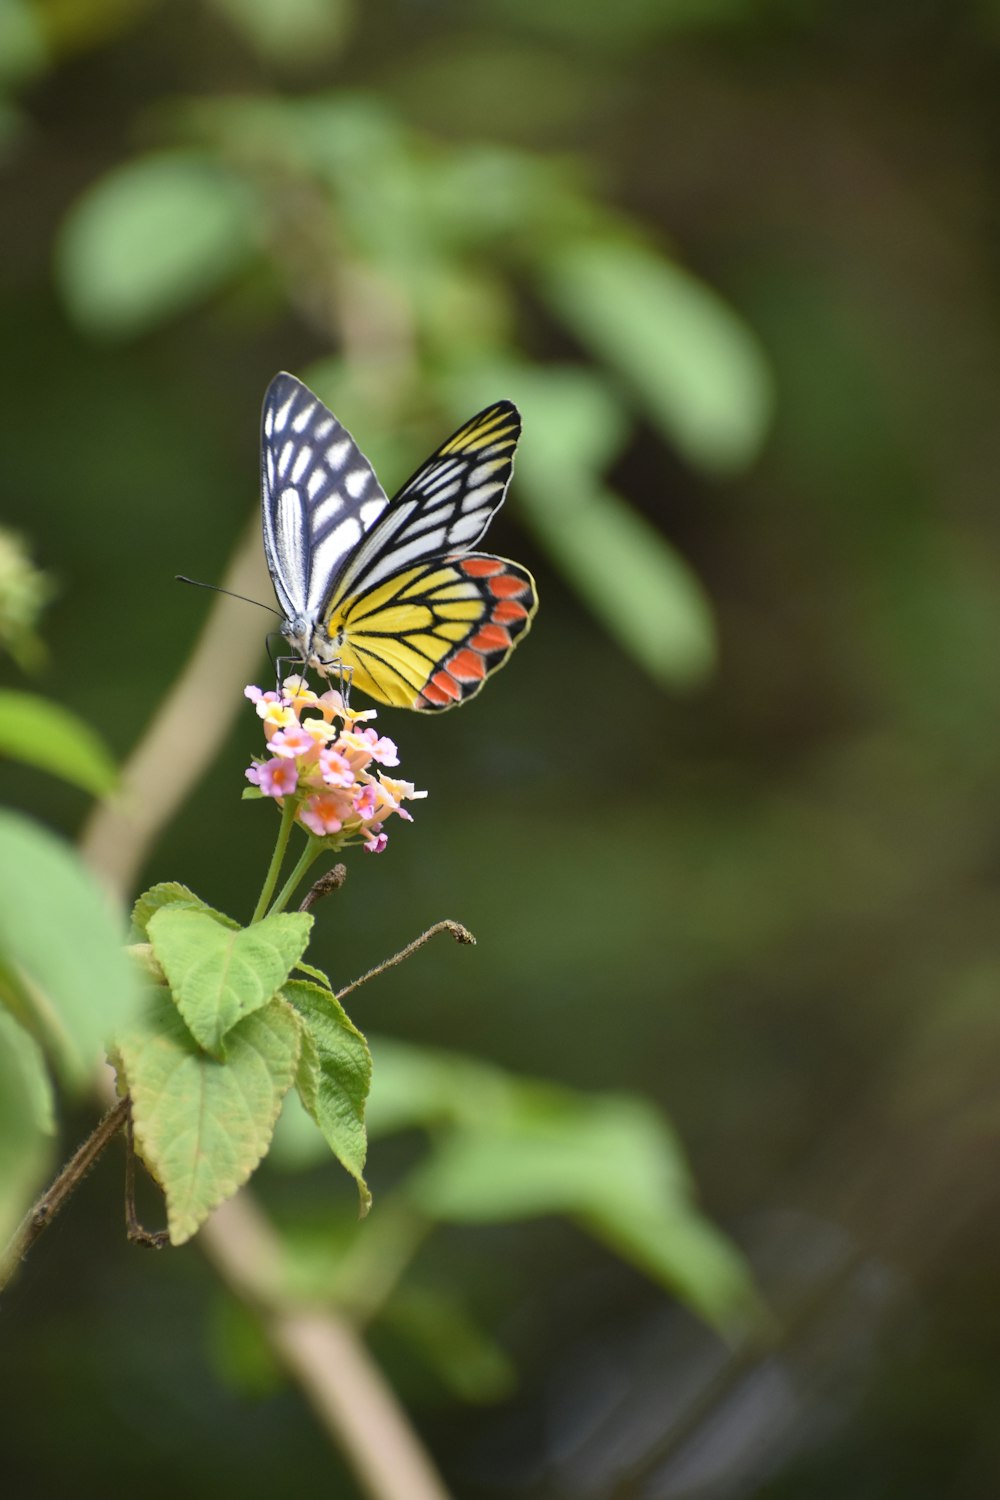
(48,1205)
(149,1239)
(459,933)
(331,881)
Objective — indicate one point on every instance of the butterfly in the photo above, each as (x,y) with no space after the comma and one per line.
(389,593)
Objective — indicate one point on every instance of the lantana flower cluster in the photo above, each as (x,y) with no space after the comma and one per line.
(325,755)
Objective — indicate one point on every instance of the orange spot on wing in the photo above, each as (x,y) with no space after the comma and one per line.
(445,685)
(467,666)
(509,610)
(491,638)
(481,567)
(507,586)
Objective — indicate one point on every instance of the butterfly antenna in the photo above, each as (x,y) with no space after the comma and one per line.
(197,583)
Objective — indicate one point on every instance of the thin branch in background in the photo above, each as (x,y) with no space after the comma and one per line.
(459,933)
(48,1205)
(331,881)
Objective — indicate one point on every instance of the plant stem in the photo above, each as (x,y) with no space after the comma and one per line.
(313,849)
(277,859)
(52,1200)
(459,933)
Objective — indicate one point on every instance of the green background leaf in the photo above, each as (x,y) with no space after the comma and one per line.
(695,367)
(45,735)
(150,239)
(26,1123)
(61,953)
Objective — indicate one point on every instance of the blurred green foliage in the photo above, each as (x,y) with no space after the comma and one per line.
(770,906)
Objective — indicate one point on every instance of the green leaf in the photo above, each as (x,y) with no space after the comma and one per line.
(334,1076)
(470,1363)
(43,734)
(303,968)
(23,52)
(63,971)
(296,31)
(609,1161)
(32,1069)
(695,366)
(202,1126)
(172,893)
(26,1123)
(217,975)
(629,575)
(151,239)
(637,584)
(551,1151)
(421,1086)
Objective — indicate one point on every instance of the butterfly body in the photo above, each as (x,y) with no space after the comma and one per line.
(389,592)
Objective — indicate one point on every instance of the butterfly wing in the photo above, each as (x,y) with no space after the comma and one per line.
(428,637)
(424,621)
(320,499)
(389,590)
(446,505)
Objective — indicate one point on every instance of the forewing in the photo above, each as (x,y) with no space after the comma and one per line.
(428,637)
(320,496)
(445,507)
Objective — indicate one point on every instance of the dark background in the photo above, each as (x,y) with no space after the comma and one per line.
(761,893)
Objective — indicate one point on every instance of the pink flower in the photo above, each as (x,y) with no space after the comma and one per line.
(383,750)
(277,778)
(364,801)
(335,768)
(331,767)
(292,742)
(322,814)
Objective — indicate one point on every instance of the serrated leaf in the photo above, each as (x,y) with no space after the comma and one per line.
(152,238)
(202,1126)
(26,1123)
(45,735)
(172,893)
(71,994)
(695,366)
(217,976)
(334,1076)
(303,968)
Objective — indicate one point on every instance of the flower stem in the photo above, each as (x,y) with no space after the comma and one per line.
(277,859)
(312,850)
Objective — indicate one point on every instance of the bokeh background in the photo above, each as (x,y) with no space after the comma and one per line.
(726,830)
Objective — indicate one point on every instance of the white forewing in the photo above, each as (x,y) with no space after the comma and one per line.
(330,532)
(320,496)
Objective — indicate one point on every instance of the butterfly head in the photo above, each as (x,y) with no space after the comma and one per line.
(312,643)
